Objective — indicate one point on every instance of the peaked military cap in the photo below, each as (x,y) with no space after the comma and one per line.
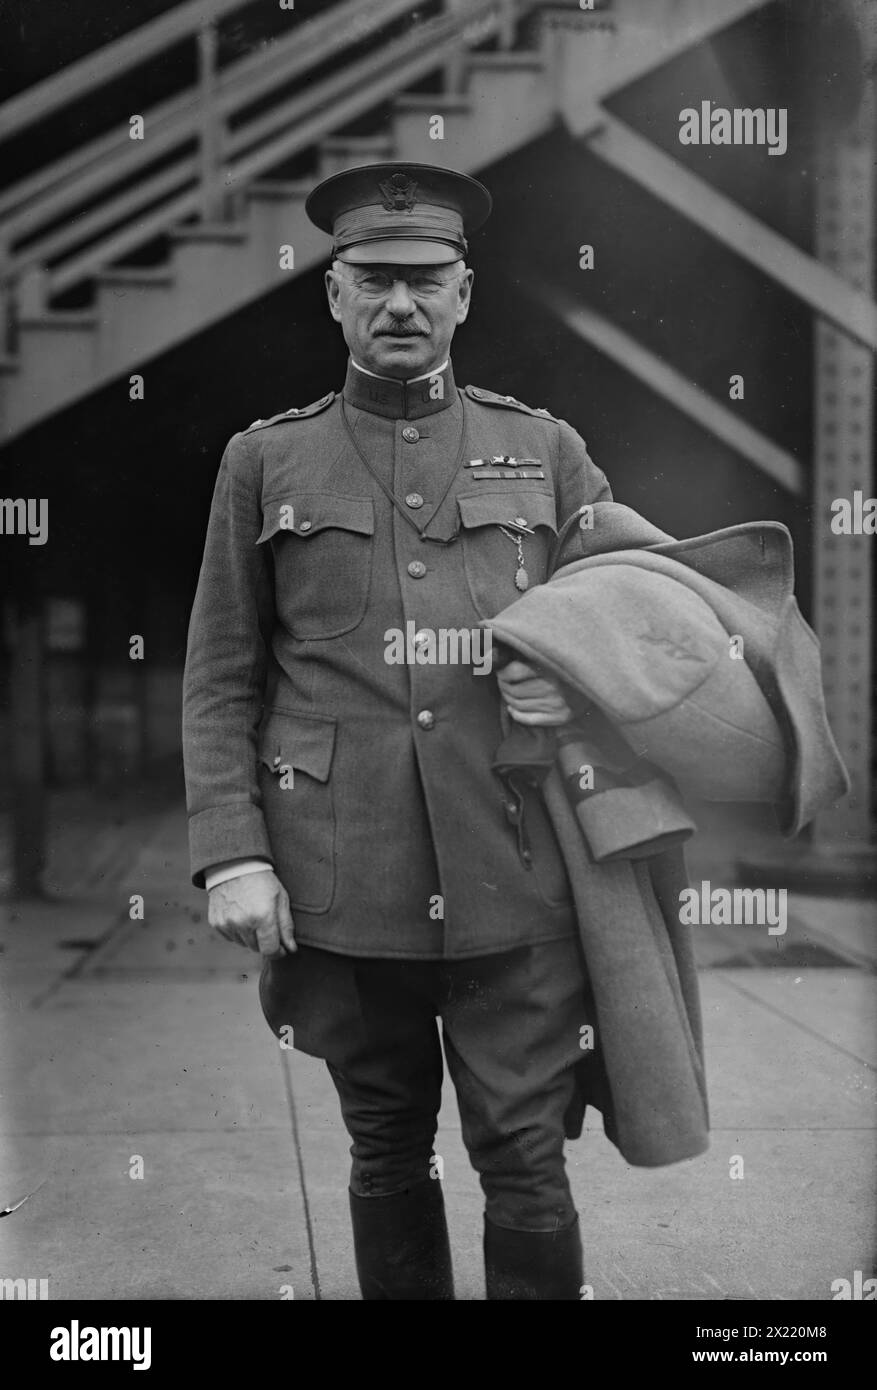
(399,213)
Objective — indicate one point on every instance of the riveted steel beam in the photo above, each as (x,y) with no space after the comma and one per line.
(843,554)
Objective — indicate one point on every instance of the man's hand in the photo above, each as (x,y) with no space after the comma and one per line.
(253,910)
(531,698)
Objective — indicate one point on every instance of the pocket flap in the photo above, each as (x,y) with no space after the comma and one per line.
(305,514)
(504,507)
(303,741)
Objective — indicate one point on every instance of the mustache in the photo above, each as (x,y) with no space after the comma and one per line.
(401,330)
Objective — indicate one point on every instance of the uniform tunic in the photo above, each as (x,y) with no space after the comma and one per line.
(366,782)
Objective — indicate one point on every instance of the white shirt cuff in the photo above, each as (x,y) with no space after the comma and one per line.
(234,868)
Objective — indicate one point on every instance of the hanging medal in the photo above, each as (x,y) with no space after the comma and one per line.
(522,579)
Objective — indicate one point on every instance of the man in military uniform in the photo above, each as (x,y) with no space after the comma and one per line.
(344,814)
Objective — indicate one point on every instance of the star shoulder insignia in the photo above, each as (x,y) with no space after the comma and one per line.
(485,397)
(297,412)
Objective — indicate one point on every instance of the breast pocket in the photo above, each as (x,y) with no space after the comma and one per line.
(322,548)
(295,760)
(491,555)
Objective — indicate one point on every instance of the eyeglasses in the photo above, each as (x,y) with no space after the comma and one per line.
(423,284)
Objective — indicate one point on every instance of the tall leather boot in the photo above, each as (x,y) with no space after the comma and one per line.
(401,1244)
(533,1264)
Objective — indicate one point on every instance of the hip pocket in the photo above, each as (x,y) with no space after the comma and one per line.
(295,761)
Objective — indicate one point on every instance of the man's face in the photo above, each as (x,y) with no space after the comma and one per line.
(398,320)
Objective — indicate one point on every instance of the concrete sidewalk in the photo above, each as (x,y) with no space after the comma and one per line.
(143,1040)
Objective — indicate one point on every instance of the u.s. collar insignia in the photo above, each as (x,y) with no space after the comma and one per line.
(399,193)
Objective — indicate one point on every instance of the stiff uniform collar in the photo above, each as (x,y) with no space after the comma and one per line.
(400,400)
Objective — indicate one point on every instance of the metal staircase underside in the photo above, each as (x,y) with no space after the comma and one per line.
(208,177)
(203,176)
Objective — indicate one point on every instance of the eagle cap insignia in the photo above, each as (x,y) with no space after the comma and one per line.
(399,193)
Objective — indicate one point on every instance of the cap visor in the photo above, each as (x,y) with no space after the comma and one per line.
(400,253)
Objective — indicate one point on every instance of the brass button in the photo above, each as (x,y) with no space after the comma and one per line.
(417,569)
(410,434)
(520,521)
(414,499)
(306,526)
(426,719)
